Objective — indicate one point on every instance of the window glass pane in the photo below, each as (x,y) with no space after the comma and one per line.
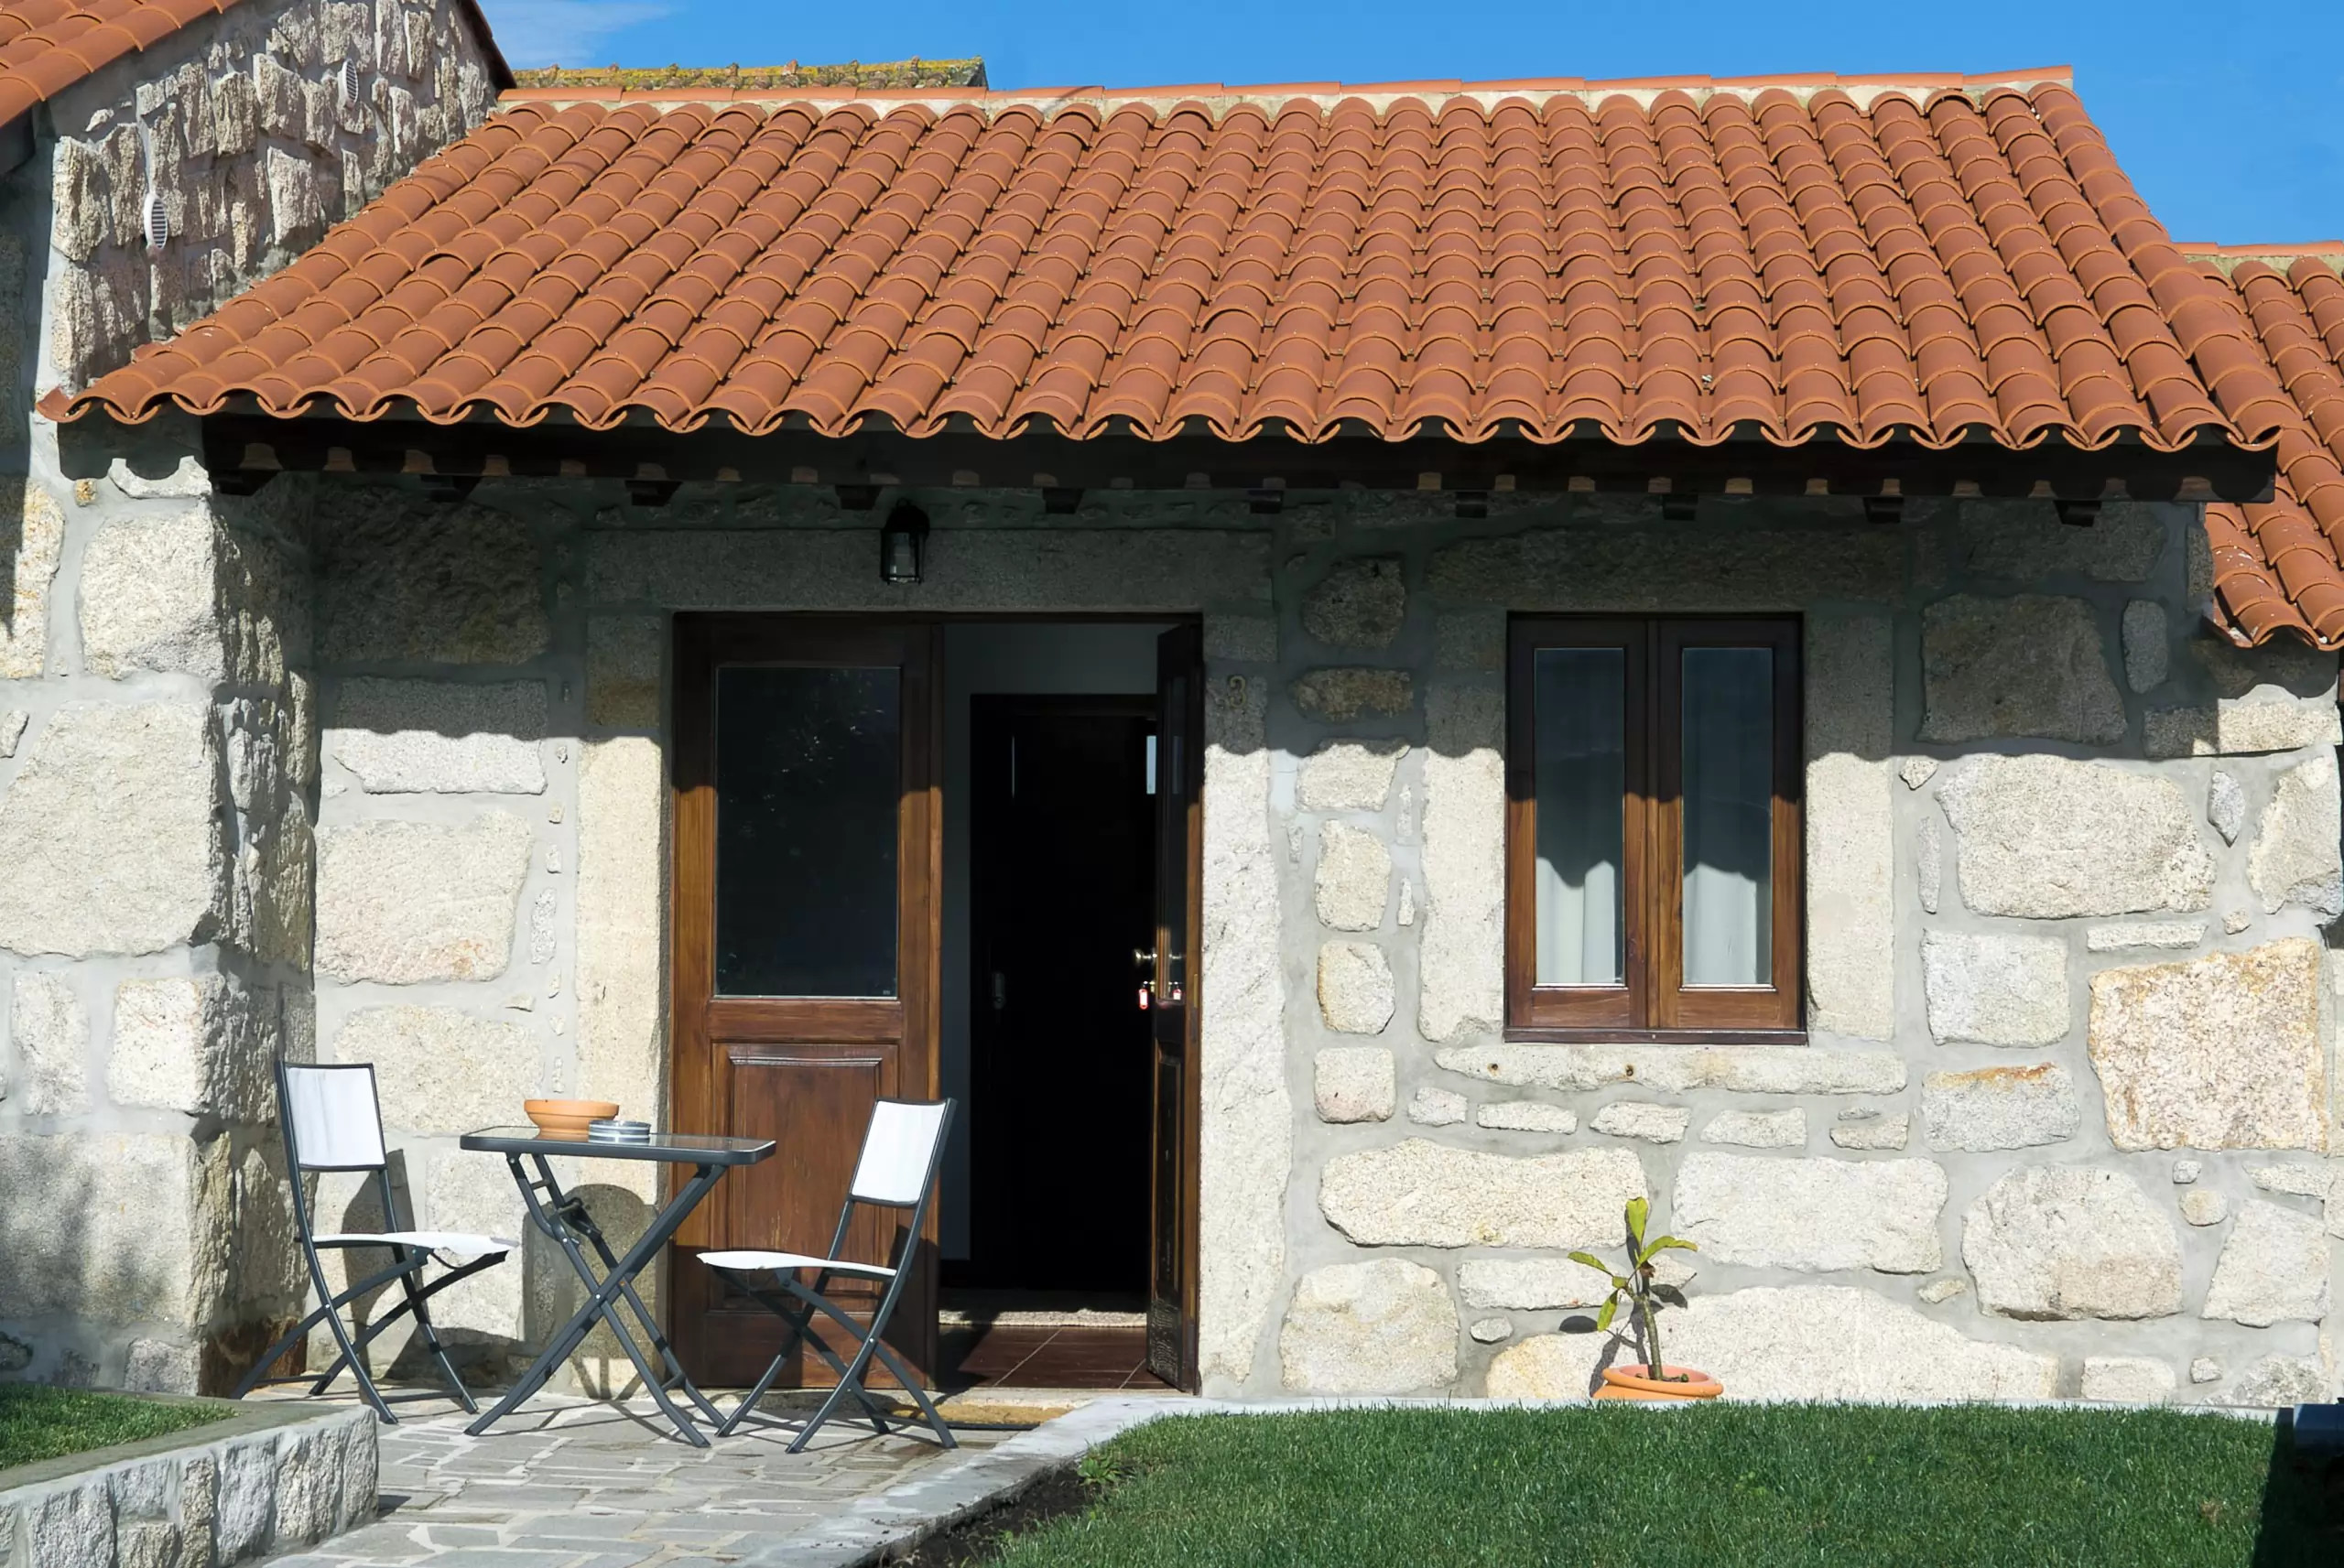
(808,770)
(1729,739)
(1581,782)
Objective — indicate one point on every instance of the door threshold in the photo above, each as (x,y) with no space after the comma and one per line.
(1076,1317)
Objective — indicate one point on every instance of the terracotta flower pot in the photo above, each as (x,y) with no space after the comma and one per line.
(1682,1383)
(567,1118)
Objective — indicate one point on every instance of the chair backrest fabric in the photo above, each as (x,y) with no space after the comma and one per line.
(899,1151)
(333,1114)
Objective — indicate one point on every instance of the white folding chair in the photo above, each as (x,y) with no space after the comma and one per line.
(901,1149)
(332,1121)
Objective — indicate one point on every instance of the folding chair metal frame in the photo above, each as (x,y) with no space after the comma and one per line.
(408,1263)
(797,1303)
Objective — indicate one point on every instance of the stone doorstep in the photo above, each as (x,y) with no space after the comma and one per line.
(881,1529)
(25,1489)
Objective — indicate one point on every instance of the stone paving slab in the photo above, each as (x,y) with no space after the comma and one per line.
(568,1483)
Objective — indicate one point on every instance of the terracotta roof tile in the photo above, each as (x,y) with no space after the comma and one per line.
(2279,565)
(1934,258)
(47,46)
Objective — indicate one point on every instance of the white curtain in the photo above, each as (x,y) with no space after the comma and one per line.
(1580,779)
(1729,730)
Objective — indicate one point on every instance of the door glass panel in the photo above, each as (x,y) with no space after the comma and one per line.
(808,772)
(1728,738)
(1581,782)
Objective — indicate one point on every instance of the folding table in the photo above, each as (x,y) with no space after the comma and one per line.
(562,1217)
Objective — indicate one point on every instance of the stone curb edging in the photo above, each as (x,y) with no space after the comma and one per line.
(881,1529)
(259,1481)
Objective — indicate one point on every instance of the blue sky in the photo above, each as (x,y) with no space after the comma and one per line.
(2229,117)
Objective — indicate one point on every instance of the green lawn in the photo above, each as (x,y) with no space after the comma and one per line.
(1721,1487)
(38,1422)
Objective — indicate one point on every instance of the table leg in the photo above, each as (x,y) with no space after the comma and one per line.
(562,1218)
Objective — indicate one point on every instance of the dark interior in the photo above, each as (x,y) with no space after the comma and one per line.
(1061,896)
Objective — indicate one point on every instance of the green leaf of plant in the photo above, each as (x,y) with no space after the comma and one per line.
(1591,1261)
(1663,1244)
(1603,1318)
(1638,1210)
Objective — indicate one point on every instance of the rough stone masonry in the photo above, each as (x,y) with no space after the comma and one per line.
(2063,1120)
(158,765)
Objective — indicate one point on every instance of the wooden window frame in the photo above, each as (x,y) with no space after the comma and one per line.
(1653,1005)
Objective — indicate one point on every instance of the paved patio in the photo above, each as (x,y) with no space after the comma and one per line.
(569,1484)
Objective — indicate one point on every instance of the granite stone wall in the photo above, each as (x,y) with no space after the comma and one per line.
(2064,1121)
(157,742)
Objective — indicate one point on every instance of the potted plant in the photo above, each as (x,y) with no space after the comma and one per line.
(1644,1296)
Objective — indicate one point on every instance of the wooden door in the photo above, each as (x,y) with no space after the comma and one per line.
(1173,1010)
(807,860)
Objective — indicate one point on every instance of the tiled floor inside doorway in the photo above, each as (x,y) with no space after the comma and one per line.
(1023,1340)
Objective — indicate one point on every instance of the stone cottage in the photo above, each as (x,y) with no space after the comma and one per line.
(1364,672)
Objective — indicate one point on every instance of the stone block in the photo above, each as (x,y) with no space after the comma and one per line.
(2145,645)
(474,1195)
(114,834)
(2276,1382)
(1360,603)
(404,901)
(2062,1242)
(1937,1292)
(2296,1181)
(2269,720)
(400,578)
(38,545)
(1353,1083)
(1354,987)
(621,923)
(2274,1269)
(1991,990)
(1758,1129)
(2144,933)
(1917,771)
(2000,1107)
(2022,541)
(2202,1206)
(1651,1123)
(1468,641)
(202,1045)
(1812,1215)
(1530,1284)
(1807,1342)
(1526,1116)
(1381,1327)
(1422,1194)
(2296,857)
(114,1228)
(1461,957)
(1241,639)
(2045,838)
(1436,1108)
(440,1071)
(624,655)
(150,596)
(2129,1379)
(1354,878)
(438,736)
(1681,1069)
(1875,1132)
(2222,1052)
(2029,666)
(1928,864)
(1619,568)
(1340,696)
(1490,1330)
(50,1028)
(1349,775)
(1851,871)
(2226,806)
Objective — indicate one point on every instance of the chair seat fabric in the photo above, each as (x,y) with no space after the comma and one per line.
(792,1260)
(457,1243)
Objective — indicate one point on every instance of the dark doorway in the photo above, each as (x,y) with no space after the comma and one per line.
(1061,901)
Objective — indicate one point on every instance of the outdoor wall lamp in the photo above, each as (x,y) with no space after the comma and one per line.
(902,544)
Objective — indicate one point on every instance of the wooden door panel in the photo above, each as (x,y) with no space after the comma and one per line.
(805,943)
(1174,1005)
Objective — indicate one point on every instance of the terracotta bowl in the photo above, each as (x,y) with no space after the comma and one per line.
(568,1118)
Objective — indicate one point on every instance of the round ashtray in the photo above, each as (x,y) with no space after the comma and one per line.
(618,1132)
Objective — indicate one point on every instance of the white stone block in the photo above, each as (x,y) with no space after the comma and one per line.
(1422,1194)
(1381,1327)
(2047,838)
(1526,1116)
(440,1071)
(1759,1129)
(1812,1215)
(2057,1242)
(414,736)
(1353,1083)
(2295,859)
(2129,1379)
(1651,1123)
(2000,1107)
(50,1028)
(2274,1269)
(1995,989)
(1349,775)
(2028,665)
(403,902)
(1460,955)
(1355,993)
(1681,1069)
(1354,878)
(113,1227)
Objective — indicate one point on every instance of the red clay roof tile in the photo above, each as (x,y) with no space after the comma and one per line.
(1935,258)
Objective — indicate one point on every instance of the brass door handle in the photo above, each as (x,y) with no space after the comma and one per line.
(1144,957)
